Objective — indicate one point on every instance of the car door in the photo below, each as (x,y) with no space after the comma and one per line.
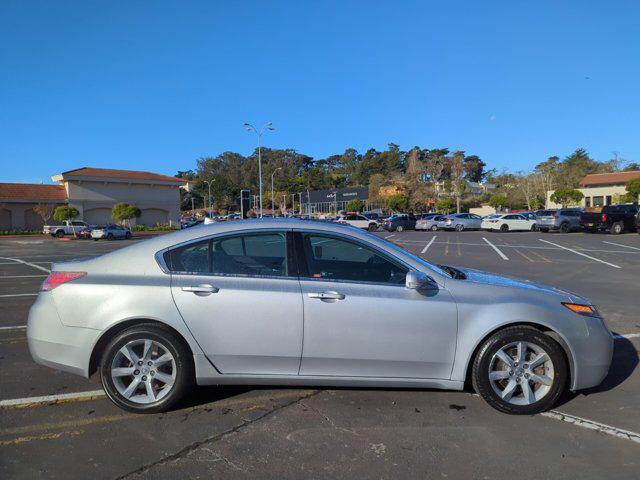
(520,223)
(240,297)
(361,321)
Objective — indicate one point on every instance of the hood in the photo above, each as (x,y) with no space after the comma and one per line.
(487,278)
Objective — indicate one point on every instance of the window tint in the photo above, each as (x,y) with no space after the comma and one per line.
(193,258)
(259,254)
(509,217)
(331,258)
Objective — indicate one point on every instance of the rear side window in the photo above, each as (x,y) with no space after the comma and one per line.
(262,254)
(331,258)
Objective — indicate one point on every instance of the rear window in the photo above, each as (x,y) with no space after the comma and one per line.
(546,213)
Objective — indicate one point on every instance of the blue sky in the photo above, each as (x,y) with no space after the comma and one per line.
(154,85)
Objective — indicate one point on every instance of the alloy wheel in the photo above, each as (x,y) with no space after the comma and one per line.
(521,373)
(143,371)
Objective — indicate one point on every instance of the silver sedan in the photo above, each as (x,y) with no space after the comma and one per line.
(289,302)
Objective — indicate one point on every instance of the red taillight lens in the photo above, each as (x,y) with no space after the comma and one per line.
(58,278)
(604,217)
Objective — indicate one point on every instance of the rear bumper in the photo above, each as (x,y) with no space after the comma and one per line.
(55,345)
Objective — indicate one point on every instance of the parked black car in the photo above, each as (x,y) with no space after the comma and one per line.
(399,223)
(613,218)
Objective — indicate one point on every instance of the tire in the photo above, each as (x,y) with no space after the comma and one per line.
(110,236)
(127,235)
(60,234)
(534,227)
(372,228)
(492,391)
(96,239)
(459,227)
(179,370)
(399,228)
(544,230)
(504,227)
(617,228)
(434,228)
(565,228)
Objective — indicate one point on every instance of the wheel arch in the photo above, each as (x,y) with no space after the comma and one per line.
(537,326)
(107,335)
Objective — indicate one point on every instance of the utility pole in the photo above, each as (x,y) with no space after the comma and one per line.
(273,203)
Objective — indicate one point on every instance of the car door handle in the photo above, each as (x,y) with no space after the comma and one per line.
(202,289)
(326,295)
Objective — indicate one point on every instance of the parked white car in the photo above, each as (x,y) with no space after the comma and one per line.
(110,232)
(359,221)
(509,222)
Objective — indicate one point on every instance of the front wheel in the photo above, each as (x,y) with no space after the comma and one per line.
(60,234)
(565,228)
(617,228)
(459,227)
(372,227)
(434,228)
(399,228)
(146,369)
(520,371)
(504,227)
(534,228)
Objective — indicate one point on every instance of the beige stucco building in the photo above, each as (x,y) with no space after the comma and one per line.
(600,189)
(94,192)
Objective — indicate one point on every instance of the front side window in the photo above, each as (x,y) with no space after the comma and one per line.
(331,258)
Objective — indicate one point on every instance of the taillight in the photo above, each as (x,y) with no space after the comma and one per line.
(604,217)
(553,215)
(56,279)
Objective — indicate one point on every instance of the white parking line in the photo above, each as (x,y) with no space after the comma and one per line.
(27,263)
(46,399)
(14,327)
(389,236)
(19,295)
(628,335)
(620,245)
(502,255)
(426,247)
(592,425)
(580,253)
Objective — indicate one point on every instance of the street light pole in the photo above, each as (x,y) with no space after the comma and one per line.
(272,197)
(267,126)
(209,182)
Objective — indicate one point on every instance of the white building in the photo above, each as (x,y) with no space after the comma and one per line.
(600,189)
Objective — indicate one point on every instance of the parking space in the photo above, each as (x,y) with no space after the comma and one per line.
(54,424)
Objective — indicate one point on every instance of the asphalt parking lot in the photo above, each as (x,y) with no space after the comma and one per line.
(56,425)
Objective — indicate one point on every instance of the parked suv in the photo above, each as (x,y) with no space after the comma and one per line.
(614,218)
(399,222)
(564,220)
(359,221)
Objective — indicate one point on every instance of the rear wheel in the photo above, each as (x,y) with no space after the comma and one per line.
(504,227)
(459,227)
(110,236)
(399,228)
(434,228)
(564,227)
(146,369)
(372,227)
(60,233)
(534,227)
(545,230)
(617,228)
(127,235)
(520,371)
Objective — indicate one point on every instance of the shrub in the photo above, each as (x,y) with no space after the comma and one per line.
(64,213)
(397,203)
(355,206)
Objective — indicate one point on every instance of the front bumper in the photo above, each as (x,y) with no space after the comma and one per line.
(55,345)
(592,354)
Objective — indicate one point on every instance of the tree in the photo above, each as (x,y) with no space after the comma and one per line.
(474,168)
(45,210)
(498,201)
(64,213)
(355,206)
(633,189)
(124,211)
(567,196)
(457,177)
(526,185)
(397,203)
(445,205)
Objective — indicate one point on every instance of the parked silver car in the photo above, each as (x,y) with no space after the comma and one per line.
(110,232)
(430,221)
(462,221)
(564,220)
(289,302)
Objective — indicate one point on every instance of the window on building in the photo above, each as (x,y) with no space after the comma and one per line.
(608,200)
(598,201)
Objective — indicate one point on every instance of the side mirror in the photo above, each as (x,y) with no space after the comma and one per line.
(420,281)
